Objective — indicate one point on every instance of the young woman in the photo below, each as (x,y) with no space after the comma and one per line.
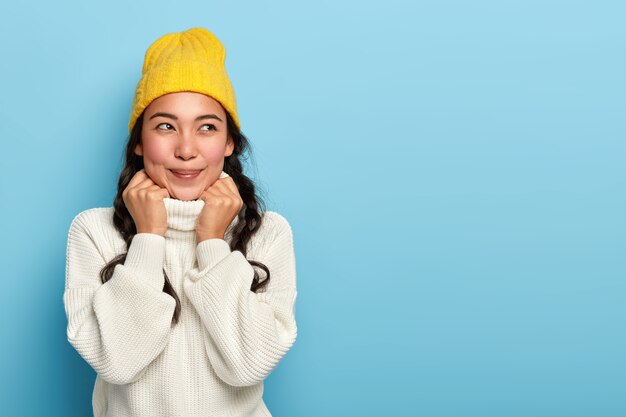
(182,295)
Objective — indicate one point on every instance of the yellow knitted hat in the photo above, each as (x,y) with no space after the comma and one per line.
(192,60)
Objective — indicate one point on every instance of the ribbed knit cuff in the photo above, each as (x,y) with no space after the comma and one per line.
(209,252)
(145,258)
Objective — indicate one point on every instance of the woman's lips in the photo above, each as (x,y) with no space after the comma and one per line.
(185,173)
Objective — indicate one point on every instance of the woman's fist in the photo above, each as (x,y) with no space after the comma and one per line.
(144,201)
(222,203)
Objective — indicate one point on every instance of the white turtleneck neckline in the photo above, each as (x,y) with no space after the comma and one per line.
(183,214)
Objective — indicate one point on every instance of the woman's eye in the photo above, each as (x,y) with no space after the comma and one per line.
(208,127)
(164,126)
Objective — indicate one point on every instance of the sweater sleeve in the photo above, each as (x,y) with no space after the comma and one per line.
(121,326)
(246,333)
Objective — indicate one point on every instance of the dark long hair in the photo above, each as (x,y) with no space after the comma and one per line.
(249,219)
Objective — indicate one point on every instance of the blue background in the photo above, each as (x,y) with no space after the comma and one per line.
(453,173)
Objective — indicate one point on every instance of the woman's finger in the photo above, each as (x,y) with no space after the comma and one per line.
(146,183)
(159,191)
(166,194)
(205,196)
(230,184)
(137,178)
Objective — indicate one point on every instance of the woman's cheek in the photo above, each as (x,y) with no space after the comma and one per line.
(214,154)
(155,152)
(154,161)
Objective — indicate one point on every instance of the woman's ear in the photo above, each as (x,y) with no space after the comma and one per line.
(230,147)
(138,150)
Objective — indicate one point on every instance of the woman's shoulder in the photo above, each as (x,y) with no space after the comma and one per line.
(97,225)
(93,229)
(93,217)
(274,228)
(274,222)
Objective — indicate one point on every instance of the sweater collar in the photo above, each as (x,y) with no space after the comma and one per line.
(182,215)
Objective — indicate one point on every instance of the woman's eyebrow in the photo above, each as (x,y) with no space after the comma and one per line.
(161,114)
(208,116)
(171,116)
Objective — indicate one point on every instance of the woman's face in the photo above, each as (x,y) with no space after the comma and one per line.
(184,142)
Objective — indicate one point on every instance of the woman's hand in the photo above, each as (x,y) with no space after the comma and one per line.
(222,203)
(144,201)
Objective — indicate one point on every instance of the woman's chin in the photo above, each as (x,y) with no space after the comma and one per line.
(185,195)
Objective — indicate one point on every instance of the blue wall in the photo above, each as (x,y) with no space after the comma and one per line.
(454,173)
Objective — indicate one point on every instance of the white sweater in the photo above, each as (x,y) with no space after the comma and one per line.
(228,339)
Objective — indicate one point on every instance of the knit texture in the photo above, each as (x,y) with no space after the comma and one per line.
(193,60)
(228,339)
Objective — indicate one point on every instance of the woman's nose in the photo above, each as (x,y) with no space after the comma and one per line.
(186,147)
